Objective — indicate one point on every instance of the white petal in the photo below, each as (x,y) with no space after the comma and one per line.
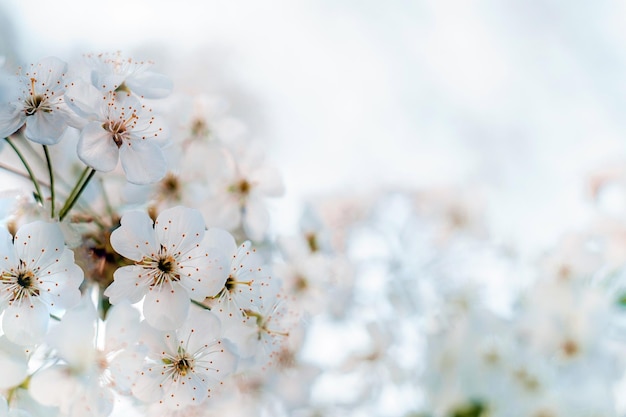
(202,273)
(125,366)
(50,70)
(97,149)
(8,258)
(26,323)
(46,128)
(147,386)
(135,238)
(166,307)
(222,210)
(150,84)
(74,337)
(129,283)
(84,99)
(14,364)
(52,386)
(256,219)
(122,326)
(201,327)
(221,242)
(11,119)
(143,161)
(39,243)
(180,229)
(189,390)
(221,362)
(268,181)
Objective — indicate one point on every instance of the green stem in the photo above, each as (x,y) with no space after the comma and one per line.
(80,186)
(200,305)
(50,172)
(37,194)
(82,177)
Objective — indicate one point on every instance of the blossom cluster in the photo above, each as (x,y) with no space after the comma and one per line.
(140,275)
(137,273)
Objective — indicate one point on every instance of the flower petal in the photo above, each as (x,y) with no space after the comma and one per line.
(97,148)
(135,238)
(129,283)
(14,364)
(179,229)
(25,323)
(122,326)
(166,307)
(11,119)
(8,258)
(52,386)
(150,84)
(45,128)
(39,244)
(256,219)
(143,161)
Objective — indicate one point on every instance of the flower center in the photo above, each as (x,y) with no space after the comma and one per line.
(117,130)
(25,279)
(170,187)
(20,283)
(230,284)
(166,264)
(161,268)
(35,102)
(183,365)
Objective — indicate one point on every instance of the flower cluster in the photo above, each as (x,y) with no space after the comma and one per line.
(129,270)
(140,275)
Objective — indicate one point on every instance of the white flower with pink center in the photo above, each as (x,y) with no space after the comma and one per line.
(172,265)
(38,277)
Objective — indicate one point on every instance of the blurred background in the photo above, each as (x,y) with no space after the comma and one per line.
(524,99)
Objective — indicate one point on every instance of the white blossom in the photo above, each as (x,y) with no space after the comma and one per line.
(185,366)
(172,264)
(39,105)
(39,276)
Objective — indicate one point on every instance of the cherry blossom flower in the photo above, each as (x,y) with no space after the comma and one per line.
(112,72)
(239,185)
(39,105)
(82,385)
(118,127)
(185,366)
(242,277)
(172,264)
(38,276)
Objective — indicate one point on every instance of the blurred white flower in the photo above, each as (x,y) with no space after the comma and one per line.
(82,385)
(239,183)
